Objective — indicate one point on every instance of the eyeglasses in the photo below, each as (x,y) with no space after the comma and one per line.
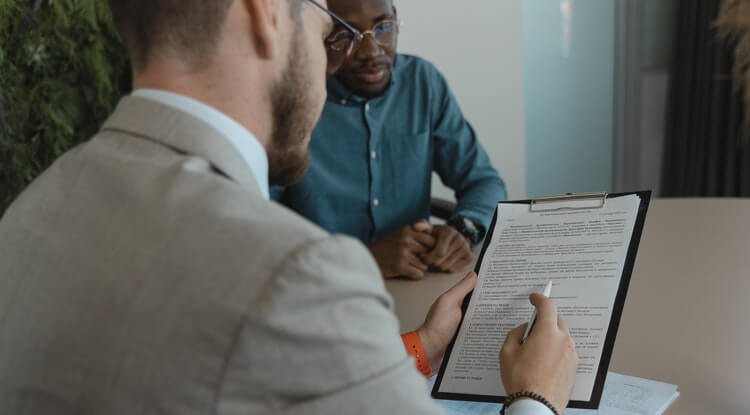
(341,44)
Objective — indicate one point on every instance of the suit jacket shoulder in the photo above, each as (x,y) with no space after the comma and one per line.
(144,273)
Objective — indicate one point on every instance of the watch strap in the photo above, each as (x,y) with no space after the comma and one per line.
(414,348)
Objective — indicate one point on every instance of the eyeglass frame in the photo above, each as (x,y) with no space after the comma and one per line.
(358,36)
(335,17)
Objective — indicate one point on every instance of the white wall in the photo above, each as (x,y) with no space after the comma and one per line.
(477,45)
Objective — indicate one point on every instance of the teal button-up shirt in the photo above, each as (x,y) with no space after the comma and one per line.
(371,161)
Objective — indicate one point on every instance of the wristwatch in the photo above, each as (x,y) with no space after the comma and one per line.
(467,228)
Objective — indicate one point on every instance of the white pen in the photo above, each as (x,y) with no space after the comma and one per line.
(547,291)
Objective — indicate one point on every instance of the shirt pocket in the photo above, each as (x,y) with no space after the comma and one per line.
(406,165)
(412,147)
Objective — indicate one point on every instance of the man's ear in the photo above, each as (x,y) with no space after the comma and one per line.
(265,26)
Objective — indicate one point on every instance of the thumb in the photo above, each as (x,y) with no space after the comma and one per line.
(546,312)
(459,291)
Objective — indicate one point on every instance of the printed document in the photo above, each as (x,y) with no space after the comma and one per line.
(628,395)
(582,251)
(623,395)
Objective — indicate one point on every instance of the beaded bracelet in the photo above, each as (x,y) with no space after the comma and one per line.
(531,395)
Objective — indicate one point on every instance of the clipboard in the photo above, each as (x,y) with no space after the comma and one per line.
(583,201)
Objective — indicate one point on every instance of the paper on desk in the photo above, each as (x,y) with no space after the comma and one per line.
(628,395)
(465,407)
(623,395)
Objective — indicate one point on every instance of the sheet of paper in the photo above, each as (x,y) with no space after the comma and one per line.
(582,252)
(623,395)
(470,408)
(627,395)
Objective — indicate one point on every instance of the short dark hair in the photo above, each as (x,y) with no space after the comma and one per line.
(191,27)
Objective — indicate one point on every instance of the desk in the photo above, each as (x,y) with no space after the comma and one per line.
(687,316)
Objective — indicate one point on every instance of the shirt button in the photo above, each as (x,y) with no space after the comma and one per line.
(367,107)
(376,202)
(374,155)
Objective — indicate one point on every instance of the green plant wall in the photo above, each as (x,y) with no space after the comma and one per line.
(62,71)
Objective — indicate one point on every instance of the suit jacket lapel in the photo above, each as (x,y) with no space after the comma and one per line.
(182,132)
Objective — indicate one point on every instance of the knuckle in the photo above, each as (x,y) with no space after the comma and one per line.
(570,343)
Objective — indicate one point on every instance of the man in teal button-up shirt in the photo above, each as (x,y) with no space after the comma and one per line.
(390,121)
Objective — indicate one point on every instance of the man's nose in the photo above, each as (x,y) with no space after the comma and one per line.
(369,49)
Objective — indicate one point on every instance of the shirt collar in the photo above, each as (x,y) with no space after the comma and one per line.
(341,94)
(246,144)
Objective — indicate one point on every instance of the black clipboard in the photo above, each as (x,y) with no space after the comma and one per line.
(537,205)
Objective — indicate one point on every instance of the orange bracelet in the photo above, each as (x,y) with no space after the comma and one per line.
(413,345)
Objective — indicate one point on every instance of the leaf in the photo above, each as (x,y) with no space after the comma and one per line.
(61,71)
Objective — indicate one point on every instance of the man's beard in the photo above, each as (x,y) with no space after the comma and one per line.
(293,120)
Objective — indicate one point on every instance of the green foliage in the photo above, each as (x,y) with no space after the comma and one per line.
(62,70)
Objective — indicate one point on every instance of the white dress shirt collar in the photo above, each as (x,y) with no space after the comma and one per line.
(244,141)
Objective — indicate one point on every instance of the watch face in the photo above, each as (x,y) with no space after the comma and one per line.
(469,225)
(465,227)
(469,230)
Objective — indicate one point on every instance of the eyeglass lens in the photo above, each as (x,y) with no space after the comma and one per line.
(343,43)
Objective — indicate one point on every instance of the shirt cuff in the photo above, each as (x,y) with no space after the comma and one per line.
(528,407)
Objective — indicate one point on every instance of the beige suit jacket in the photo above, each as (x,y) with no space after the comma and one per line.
(143,273)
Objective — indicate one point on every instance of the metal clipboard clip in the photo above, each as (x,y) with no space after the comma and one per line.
(580,201)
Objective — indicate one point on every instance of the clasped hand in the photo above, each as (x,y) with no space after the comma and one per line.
(412,250)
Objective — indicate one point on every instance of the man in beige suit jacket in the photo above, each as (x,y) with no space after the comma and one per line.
(146,272)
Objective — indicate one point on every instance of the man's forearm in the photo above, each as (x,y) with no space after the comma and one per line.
(478,202)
